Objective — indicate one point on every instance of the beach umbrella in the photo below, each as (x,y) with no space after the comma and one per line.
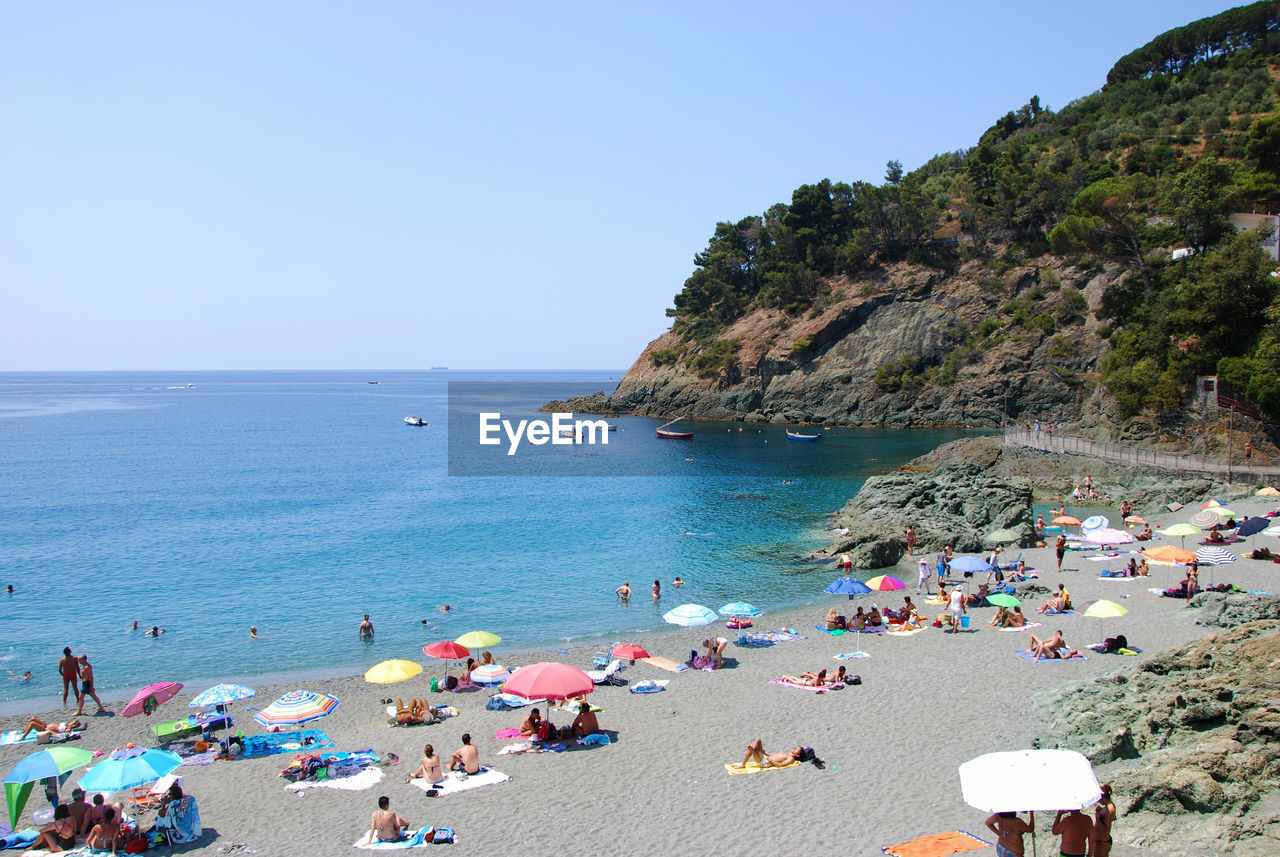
(296,707)
(1003,599)
(629,651)
(221,694)
(1267,492)
(1168,555)
(1029,781)
(1205,519)
(550,680)
(1222,512)
(1209,504)
(1183,530)
(52,764)
(971,564)
(885,583)
(739,608)
(1095,522)
(1135,519)
(1252,525)
(1066,521)
(1108,536)
(150,697)
(390,672)
(1215,556)
(847,586)
(689,615)
(445,650)
(1006,534)
(1104,609)
(129,768)
(488,674)
(478,640)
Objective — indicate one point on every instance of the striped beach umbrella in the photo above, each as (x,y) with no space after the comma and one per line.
(296,707)
(1215,556)
(1205,519)
(739,608)
(688,615)
(1108,536)
(885,583)
(1095,522)
(488,674)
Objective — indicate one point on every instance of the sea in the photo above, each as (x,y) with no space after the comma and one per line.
(208,502)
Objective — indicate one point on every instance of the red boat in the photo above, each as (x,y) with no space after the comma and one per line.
(673,435)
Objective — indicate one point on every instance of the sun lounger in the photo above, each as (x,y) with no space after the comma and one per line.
(608,675)
(937,845)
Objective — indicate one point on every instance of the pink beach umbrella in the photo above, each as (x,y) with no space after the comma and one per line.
(150,697)
(549,680)
(885,583)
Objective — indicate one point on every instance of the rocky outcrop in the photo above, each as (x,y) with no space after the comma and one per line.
(1203,724)
(1229,610)
(822,368)
(957,505)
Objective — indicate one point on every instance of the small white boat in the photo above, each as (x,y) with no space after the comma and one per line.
(416,421)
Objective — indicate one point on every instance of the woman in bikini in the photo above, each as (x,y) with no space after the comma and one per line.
(35,724)
(61,835)
(817,679)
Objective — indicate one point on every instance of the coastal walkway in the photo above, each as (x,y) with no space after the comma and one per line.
(1236,469)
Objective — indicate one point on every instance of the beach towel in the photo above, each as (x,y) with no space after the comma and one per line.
(752,768)
(507,732)
(704,663)
(285,742)
(454,781)
(1029,656)
(366,779)
(413,839)
(1026,627)
(573,706)
(768,638)
(650,686)
(905,632)
(521,747)
(848,656)
(503,701)
(823,689)
(1060,613)
(937,845)
(594,738)
(19,838)
(835,632)
(1119,575)
(181,823)
(12,737)
(935,601)
(665,664)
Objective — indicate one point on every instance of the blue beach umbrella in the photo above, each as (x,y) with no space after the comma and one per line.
(1096,522)
(847,586)
(222,694)
(1253,525)
(739,608)
(969,564)
(52,764)
(688,615)
(126,769)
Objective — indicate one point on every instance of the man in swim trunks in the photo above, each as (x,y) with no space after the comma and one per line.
(585,723)
(1075,829)
(366,628)
(69,669)
(1060,548)
(755,751)
(385,825)
(465,758)
(529,726)
(1009,829)
(1104,814)
(86,686)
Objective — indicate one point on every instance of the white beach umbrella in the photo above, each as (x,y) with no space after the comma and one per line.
(1029,781)
(688,615)
(1108,536)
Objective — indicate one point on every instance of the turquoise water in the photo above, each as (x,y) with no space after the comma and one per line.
(297,501)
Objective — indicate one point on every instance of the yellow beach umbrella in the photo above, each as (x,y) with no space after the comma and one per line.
(1104,609)
(1267,492)
(478,639)
(1222,512)
(390,672)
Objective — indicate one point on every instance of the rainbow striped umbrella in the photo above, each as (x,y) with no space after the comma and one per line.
(490,674)
(885,583)
(295,707)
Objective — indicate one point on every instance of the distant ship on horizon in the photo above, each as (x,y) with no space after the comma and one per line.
(439,368)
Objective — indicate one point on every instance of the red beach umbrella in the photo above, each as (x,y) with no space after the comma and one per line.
(149,698)
(629,651)
(549,680)
(446,650)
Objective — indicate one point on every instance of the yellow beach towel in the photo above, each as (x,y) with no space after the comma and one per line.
(753,768)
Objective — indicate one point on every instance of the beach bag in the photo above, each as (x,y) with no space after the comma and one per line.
(435,685)
(135,846)
(856,679)
(442,836)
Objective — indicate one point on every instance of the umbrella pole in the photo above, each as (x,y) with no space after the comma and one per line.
(1033,833)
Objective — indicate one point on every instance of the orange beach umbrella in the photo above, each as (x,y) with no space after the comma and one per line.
(1168,554)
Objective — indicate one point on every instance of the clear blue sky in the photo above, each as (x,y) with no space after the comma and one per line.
(392,185)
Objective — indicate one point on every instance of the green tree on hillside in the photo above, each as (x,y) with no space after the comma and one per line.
(1107,218)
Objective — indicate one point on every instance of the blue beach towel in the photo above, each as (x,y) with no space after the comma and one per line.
(1060,613)
(20,839)
(1028,656)
(416,839)
(11,737)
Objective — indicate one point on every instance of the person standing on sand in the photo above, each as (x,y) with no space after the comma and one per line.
(956,608)
(1060,548)
(366,628)
(1104,814)
(69,669)
(923,582)
(1009,829)
(624,591)
(86,686)
(1076,831)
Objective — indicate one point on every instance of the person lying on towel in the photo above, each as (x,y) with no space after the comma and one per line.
(818,679)
(1054,647)
(755,751)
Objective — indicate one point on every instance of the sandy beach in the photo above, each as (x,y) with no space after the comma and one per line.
(928,702)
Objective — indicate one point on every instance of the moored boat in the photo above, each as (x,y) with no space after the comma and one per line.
(795,435)
(673,435)
(416,421)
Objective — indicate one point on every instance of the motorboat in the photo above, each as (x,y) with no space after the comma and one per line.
(795,435)
(416,421)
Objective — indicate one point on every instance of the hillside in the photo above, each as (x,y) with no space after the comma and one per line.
(1030,276)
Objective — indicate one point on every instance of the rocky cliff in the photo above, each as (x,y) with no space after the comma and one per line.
(977,345)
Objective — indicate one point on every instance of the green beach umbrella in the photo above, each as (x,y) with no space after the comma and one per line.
(1003,599)
(1222,512)
(478,640)
(46,764)
(1182,530)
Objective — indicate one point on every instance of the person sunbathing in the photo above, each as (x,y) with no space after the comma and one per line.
(1145,535)
(817,679)
(429,768)
(859,620)
(835,678)
(466,758)
(1215,538)
(1053,647)
(585,723)
(418,712)
(756,753)
(106,834)
(45,731)
(1000,619)
(834,620)
(385,825)
(874,619)
(529,726)
(61,834)
(1014,619)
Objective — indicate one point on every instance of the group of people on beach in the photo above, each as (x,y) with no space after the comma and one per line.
(624,591)
(1080,834)
(77,676)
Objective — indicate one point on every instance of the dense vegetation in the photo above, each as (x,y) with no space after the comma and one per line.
(1185,132)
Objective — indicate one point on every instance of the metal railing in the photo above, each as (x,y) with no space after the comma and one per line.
(1186,462)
